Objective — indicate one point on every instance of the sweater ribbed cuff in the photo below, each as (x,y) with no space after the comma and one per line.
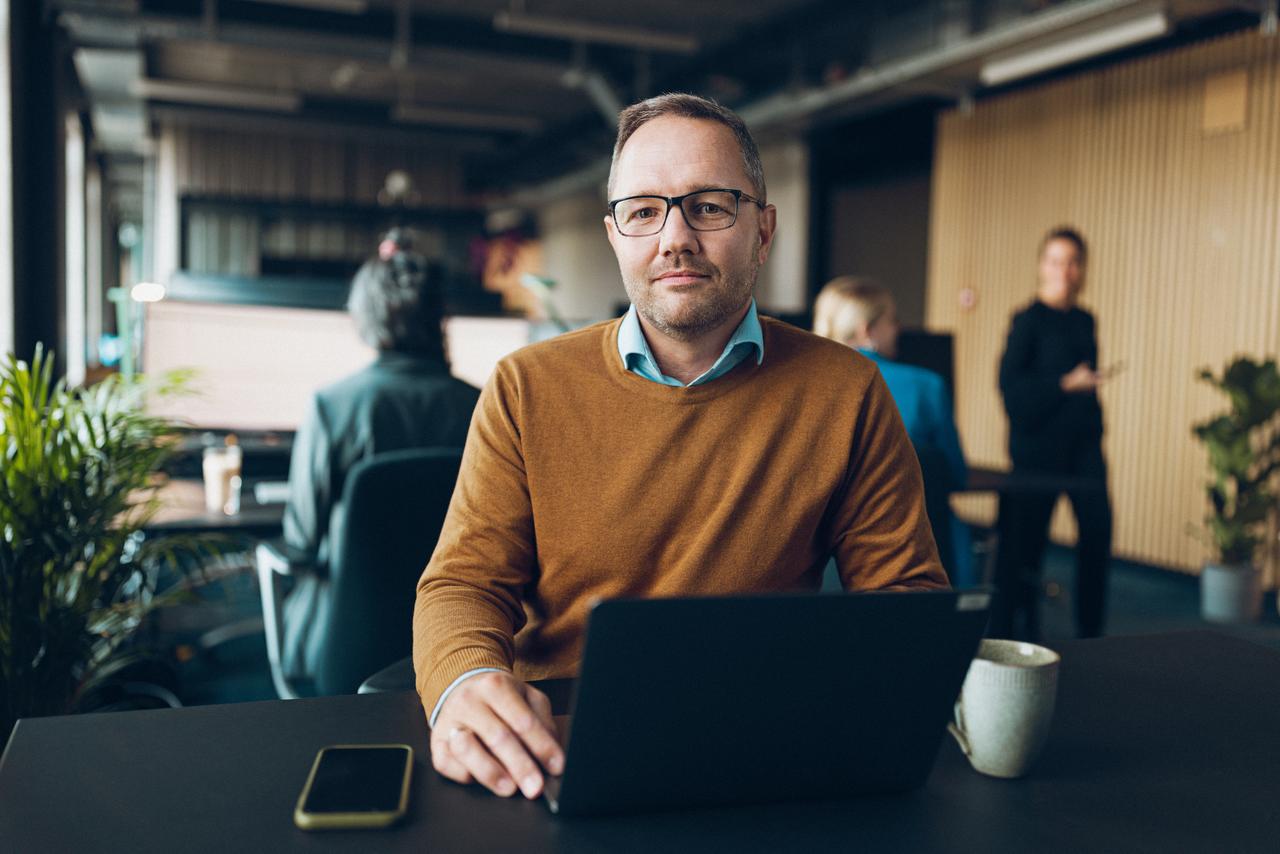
(449,668)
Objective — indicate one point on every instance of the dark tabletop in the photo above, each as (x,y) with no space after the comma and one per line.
(1160,743)
(1007,482)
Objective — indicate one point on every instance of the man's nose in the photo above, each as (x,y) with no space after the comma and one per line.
(676,236)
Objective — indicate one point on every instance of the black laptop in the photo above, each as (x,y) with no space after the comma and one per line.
(733,700)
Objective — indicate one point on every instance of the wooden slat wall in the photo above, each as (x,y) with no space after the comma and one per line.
(1183,226)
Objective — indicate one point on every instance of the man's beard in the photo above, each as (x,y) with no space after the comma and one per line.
(695,318)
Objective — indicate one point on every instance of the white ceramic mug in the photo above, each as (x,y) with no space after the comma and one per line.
(1005,706)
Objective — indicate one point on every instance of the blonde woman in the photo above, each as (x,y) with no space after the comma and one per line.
(861,314)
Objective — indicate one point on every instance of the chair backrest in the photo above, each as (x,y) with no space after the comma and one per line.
(935,471)
(393,507)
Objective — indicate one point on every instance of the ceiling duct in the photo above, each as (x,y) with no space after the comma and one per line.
(523,23)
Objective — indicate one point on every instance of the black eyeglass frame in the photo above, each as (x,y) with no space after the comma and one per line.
(678,201)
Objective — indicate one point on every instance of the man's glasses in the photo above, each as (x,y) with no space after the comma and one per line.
(705,210)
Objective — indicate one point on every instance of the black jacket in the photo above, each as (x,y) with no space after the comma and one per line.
(1046,423)
(400,401)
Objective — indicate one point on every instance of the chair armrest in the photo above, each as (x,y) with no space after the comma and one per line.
(393,677)
(272,559)
(282,559)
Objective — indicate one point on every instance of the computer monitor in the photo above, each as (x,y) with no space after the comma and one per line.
(934,351)
(257,366)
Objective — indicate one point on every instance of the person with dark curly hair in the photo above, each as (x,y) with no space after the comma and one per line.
(406,398)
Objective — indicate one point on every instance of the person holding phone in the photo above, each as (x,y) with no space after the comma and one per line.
(1049,380)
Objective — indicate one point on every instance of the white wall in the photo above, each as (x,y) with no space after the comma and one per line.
(782,282)
(578,256)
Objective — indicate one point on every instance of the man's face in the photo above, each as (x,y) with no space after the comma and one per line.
(683,282)
(1061,273)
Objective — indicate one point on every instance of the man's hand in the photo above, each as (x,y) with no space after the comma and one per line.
(498,731)
(1081,379)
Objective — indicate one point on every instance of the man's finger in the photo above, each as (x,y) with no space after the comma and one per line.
(466,747)
(509,749)
(541,706)
(443,761)
(537,733)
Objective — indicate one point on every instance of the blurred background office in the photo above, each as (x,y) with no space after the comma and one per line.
(193,184)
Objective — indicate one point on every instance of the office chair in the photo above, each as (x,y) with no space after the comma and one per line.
(393,506)
(936,474)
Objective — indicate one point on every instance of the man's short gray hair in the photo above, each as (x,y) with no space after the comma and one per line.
(690,107)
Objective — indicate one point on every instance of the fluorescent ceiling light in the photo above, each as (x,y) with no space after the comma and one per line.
(584,31)
(473,119)
(1072,49)
(351,7)
(217,96)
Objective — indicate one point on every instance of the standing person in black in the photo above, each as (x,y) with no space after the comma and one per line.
(1049,379)
(405,399)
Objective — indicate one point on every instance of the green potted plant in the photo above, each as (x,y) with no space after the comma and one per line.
(1244,457)
(78,474)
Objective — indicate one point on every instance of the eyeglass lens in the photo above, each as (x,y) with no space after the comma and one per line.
(645,215)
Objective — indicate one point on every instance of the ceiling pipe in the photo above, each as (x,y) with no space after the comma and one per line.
(798,107)
(789,109)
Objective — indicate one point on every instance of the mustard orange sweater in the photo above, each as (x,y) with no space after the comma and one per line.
(582,481)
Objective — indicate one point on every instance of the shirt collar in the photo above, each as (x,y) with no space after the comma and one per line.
(636,355)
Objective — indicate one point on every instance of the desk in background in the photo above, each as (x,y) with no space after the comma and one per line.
(1160,743)
(183,511)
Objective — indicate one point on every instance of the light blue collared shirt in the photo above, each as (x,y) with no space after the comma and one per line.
(638,358)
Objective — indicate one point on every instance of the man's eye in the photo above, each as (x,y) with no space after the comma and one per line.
(643,213)
(709,209)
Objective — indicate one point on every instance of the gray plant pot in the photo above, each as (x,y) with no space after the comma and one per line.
(1230,594)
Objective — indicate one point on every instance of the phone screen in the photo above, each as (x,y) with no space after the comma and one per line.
(357,779)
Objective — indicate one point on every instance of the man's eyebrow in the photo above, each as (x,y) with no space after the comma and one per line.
(700,188)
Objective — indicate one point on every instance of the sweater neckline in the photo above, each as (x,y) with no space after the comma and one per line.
(677,395)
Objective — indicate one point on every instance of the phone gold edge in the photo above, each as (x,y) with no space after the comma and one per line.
(304,820)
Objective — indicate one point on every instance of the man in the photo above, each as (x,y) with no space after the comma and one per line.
(689,448)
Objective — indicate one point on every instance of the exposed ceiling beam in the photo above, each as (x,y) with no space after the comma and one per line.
(575,30)
(966,53)
(349,7)
(114,31)
(237,97)
(221,119)
(473,119)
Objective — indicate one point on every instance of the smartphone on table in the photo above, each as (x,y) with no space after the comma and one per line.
(355,786)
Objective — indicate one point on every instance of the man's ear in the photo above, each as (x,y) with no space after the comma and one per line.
(765,231)
(610,230)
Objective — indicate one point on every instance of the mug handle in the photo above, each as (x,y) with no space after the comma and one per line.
(956,728)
